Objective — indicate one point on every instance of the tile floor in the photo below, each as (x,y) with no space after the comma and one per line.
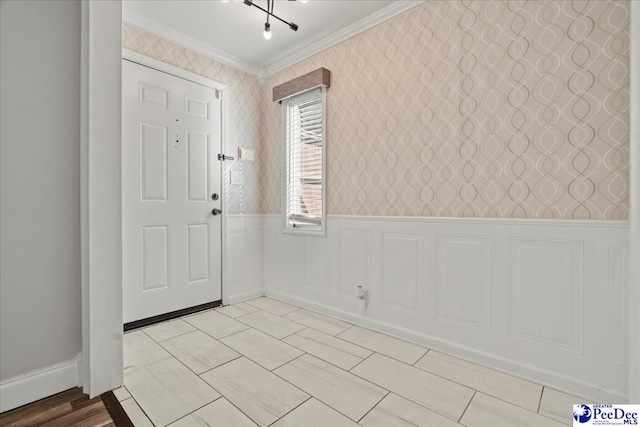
(267,363)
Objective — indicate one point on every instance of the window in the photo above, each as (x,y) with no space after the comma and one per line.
(304,156)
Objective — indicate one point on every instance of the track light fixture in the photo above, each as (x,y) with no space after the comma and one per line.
(269,12)
(267,31)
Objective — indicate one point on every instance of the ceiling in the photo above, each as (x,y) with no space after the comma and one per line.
(234,30)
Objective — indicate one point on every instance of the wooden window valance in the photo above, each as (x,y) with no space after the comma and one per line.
(316,78)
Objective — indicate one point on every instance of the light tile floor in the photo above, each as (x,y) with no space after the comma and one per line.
(268,363)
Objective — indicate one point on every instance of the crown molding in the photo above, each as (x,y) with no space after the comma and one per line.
(181,39)
(384,14)
(167,33)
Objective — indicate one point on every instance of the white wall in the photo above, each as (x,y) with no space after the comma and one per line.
(40,310)
(544,300)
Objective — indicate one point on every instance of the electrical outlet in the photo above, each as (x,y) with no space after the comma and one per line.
(246,154)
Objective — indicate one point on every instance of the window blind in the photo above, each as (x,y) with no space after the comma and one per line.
(304,153)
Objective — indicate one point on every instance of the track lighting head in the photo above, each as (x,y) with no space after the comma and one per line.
(267,31)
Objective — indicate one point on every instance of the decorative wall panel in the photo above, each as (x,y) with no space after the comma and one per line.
(464,280)
(546,292)
(315,263)
(402,271)
(280,258)
(353,261)
(618,313)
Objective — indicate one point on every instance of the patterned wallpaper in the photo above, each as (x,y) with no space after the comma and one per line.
(494,108)
(245,106)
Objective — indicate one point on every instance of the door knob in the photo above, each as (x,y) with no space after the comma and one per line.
(216,211)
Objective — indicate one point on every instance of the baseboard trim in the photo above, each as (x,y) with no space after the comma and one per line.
(245,296)
(589,391)
(36,385)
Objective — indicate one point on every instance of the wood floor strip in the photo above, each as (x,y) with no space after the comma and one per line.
(42,410)
(71,407)
(93,415)
(117,412)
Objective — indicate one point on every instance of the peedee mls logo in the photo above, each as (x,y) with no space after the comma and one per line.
(605,415)
(581,413)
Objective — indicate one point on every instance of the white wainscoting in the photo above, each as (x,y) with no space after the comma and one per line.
(243,270)
(38,384)
(544,300)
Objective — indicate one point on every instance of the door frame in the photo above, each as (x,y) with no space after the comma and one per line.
(158,65)
(101,195)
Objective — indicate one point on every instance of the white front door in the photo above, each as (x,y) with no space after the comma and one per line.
(170,178)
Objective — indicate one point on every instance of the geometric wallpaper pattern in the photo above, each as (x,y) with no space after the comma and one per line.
(494,109)
(506,109)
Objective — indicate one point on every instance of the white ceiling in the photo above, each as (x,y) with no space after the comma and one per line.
(233,30)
